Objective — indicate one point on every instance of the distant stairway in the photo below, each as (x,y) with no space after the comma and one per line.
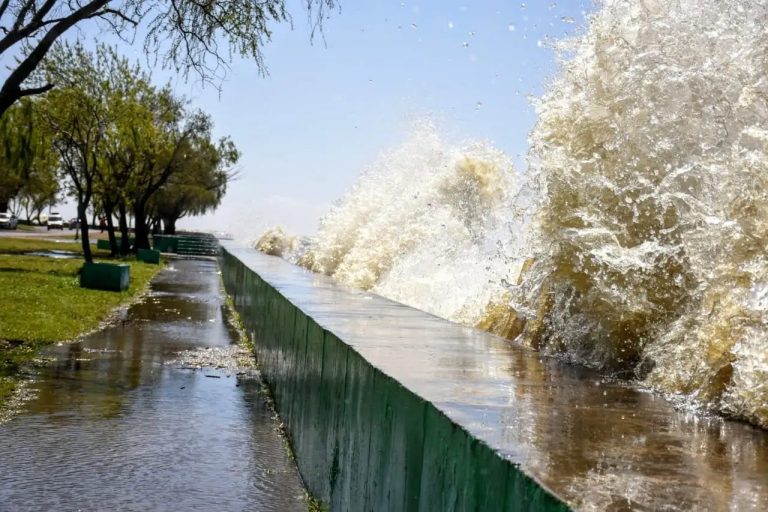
(188,244)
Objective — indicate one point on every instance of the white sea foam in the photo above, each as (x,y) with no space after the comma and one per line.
(636,241)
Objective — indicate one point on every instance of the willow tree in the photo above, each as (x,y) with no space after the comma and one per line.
(133,105)
(165,154)
(199,183)
(39,189)
(192,37)
(27,159)
(81,115)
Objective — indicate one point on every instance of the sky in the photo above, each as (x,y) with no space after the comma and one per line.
(329,106)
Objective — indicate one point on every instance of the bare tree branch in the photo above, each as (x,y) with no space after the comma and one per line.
(194,37)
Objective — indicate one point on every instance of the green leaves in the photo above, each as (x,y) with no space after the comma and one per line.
(200,181)
(27,158)
(190,36)
(122,140)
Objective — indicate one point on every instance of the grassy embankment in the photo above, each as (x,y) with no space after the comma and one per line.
(41,301)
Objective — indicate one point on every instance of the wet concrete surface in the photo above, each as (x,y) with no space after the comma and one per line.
(597,444)
(119,423)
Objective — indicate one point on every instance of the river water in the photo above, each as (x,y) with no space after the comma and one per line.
(631,239)
(119,422)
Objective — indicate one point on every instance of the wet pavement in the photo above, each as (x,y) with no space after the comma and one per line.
(125,419)
(597,444)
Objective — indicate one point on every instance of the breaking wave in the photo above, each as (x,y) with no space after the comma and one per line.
(636,240)
(419,224)
(276,242)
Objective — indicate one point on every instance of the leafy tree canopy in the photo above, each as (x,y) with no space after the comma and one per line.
(190,36)
(27,159)
(199,184)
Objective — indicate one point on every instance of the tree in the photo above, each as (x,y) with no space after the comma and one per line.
(131,102)
(186,34)
(38,191)
(79,116)
(140,155)
(199,183)
(162,158)
(121,140)
(27,158)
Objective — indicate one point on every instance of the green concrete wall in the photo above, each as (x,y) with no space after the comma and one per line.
(362,440)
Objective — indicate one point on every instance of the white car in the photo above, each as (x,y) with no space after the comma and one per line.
(55,221)
(8,221)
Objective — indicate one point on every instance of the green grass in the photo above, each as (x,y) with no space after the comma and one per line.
(22,245)
(42,302)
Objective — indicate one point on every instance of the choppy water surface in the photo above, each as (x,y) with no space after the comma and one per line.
(597,443)
(123,422)
(635,242)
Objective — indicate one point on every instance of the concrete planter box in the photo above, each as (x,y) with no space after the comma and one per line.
(104,243)
(148,256)
(105,276)
(165,243)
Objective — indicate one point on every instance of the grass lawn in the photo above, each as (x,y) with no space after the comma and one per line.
(42,302)
(22,245)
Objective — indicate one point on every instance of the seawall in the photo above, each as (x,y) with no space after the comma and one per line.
(363,439)
(390,408)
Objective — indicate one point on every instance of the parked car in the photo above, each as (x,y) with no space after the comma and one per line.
(73,223)
(8,221)
(55,221)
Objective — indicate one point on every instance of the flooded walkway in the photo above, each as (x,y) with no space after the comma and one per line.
(595,443)
(118,424)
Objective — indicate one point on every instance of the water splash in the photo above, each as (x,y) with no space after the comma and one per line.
(419,226)
(650,154)
(636,241)
(276,242)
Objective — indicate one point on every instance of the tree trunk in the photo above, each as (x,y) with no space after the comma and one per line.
(125,244)
(86,244)
(108,209)
(169,226)
(140,227)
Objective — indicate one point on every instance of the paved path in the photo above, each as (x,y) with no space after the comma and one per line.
(123,422)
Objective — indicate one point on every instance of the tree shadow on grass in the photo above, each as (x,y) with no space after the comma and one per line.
(58,273)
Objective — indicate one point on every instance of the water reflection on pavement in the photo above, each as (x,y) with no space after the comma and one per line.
(118,425)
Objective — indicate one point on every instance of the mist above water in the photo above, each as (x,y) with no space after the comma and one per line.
(634,243)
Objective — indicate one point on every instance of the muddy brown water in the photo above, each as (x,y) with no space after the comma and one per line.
(117,425)
(597,443)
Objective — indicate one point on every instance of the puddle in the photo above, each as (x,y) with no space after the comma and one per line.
(54,253)
(119,422)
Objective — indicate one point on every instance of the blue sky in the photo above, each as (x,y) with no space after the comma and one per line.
(328,108)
